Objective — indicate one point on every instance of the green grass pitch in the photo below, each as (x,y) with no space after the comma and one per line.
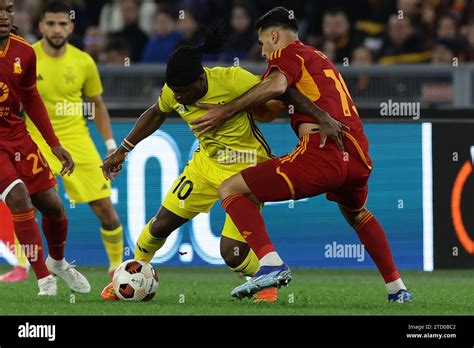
(205,291)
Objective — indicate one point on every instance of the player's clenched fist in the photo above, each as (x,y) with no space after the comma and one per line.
(113,163)
(65,158)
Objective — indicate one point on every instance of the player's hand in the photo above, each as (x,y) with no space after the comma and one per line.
(212,120)
(113,163)
(332,128)
(65,158)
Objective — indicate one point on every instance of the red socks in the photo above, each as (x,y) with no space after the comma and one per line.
(372,236)
(28,234)
(246,216)
(55,231)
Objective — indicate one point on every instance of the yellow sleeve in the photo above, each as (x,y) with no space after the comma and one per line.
(92,83)
(243,80)
(166,99)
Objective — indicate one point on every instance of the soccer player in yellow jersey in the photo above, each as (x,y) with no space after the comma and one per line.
(65,76)
(237,145)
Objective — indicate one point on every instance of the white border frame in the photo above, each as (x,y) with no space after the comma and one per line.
(427,163)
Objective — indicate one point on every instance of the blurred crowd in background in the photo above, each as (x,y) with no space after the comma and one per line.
(347,31)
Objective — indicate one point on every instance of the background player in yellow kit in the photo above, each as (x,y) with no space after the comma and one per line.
(65,75)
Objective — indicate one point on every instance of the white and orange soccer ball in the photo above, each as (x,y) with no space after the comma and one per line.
(135,281)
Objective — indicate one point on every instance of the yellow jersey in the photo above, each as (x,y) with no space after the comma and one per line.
(62,82)
(238,142)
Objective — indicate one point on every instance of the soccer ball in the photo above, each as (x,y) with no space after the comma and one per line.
(135,281)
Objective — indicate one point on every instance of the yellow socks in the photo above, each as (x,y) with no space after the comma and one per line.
(249,266)
(147,245)
(113,242)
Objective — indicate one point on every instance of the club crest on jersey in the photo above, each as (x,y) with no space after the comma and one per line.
(17,66)
(70,77)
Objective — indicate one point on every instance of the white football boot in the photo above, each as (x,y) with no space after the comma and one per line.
(48,286)
(75,280)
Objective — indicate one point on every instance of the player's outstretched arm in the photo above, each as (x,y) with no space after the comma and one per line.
(146,125)
(270,88)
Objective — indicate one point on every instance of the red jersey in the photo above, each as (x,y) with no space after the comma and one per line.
(18,86)
(312,74)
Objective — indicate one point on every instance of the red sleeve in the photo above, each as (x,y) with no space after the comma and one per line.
(287,62)
(34,106)
(29,77)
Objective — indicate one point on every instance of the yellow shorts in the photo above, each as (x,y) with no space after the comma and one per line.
(87,183)
(196,190)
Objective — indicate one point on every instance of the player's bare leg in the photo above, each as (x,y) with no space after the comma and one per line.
(241,259)
(273,271)
(55,224)
(28,234)
(111,231)
(236,184)
(375,242)
(233,251)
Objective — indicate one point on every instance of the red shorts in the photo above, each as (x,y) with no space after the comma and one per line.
(310,171)
(24,163)
(6,225)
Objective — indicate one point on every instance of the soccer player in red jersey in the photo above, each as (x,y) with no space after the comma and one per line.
(315,166)
(25,177)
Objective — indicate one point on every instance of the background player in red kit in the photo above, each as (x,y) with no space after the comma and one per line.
(25,178)
(313,168)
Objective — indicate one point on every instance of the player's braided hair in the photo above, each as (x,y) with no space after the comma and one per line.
(185,63)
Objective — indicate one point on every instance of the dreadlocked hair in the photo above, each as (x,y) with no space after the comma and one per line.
(185,63)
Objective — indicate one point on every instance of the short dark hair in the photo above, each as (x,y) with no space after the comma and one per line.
(55,7)
(277,17)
